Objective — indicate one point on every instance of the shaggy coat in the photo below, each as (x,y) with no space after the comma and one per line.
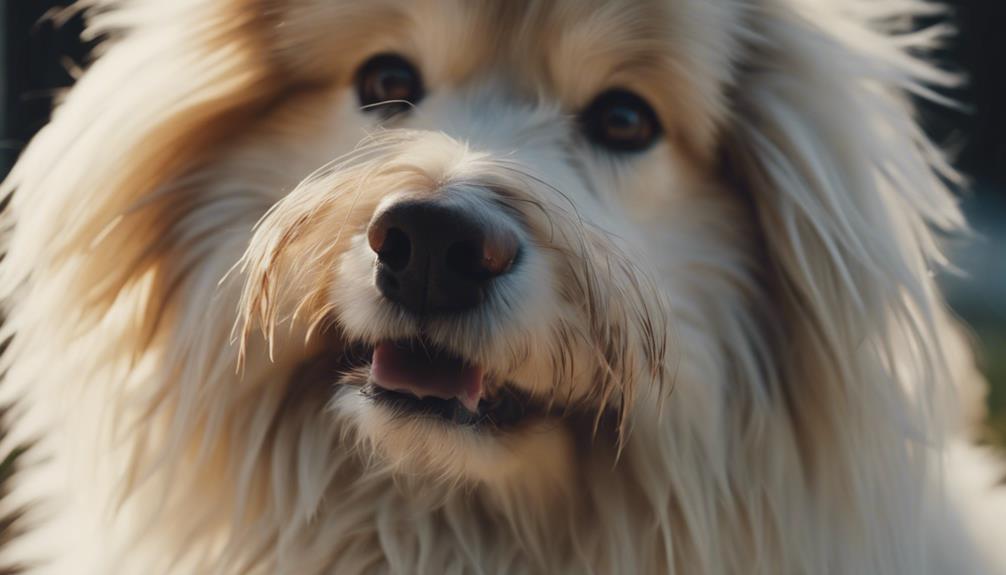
(732,349)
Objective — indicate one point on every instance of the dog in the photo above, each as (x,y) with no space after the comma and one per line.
(445,286)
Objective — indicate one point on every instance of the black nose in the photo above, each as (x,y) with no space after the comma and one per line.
(435,258)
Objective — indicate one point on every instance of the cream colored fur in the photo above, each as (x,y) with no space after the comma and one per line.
(759,373)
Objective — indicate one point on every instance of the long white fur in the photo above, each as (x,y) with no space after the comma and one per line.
(754,298)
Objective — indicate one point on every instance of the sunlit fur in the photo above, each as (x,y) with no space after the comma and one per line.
(746,363)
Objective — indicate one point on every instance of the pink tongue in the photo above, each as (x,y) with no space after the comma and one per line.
(423,373)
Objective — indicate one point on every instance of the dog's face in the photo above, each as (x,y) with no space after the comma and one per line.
(668,257)
(500,200)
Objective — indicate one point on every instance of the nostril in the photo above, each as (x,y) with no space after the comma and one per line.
(465,259)
(395,250)
(499,253)
(482,261)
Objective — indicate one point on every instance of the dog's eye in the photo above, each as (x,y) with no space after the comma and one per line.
(622,121)
(389,84)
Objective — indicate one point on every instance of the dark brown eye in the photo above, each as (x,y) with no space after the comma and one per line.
(620,120)
(388,84)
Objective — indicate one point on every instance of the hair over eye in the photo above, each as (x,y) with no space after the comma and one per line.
(388,84)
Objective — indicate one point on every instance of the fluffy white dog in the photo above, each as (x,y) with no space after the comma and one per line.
(494,286)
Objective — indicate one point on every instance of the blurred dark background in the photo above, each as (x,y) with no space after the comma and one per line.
(40,57)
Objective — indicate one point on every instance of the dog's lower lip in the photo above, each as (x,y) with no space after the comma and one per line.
(407,404)
(506,408)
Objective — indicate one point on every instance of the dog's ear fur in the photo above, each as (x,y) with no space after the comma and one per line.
(173,80)
(851,199)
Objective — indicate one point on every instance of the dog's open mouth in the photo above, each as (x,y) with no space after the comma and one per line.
(427,373)
(416,378)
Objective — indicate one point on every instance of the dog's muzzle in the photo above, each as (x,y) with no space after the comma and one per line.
(436,258)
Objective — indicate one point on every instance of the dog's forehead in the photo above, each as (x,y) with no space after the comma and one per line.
(483,29)
(566,49)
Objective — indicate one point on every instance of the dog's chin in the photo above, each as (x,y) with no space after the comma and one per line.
(509,439)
